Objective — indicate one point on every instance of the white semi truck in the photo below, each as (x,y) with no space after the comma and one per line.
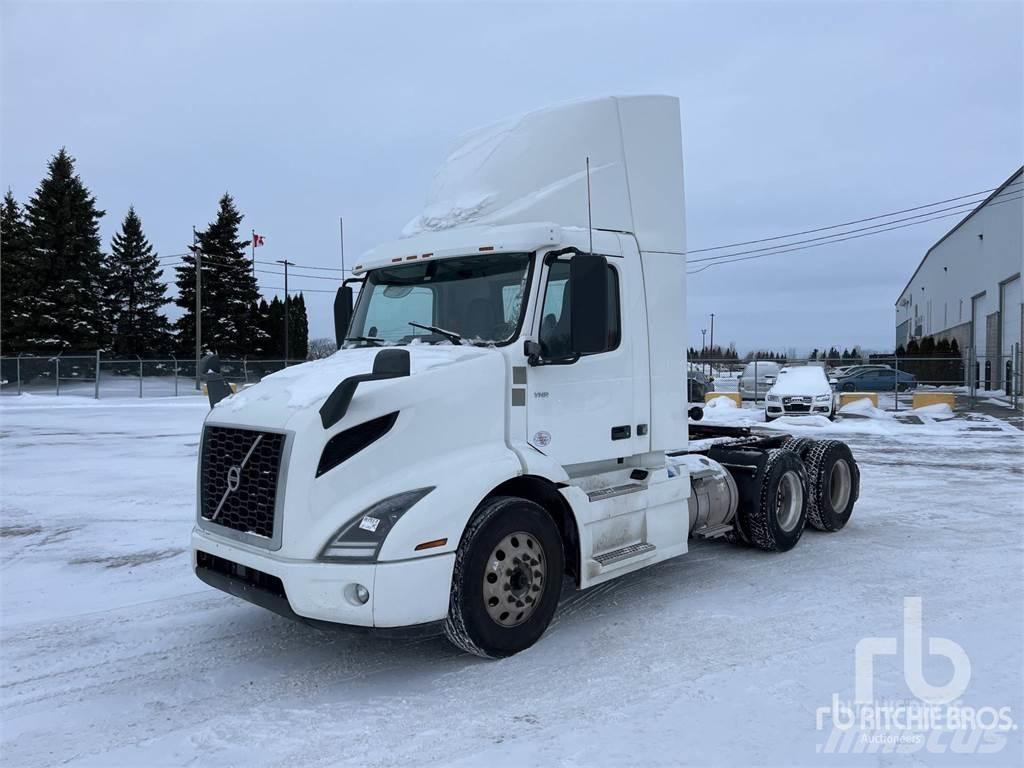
(507,412)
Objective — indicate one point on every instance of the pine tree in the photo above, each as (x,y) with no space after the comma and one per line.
(136,293)
(67,292)
(275,329)
(229,293)
(298,328)
(262,313)
(16,277)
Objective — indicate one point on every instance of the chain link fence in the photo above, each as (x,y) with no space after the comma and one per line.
(97,377)
(969,374)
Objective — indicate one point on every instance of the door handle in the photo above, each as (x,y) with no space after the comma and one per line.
(621,433)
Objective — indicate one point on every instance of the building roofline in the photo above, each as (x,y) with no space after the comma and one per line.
(957,226)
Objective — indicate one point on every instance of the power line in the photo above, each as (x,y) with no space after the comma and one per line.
(959,208)
(294,274)
(855,221)
(305,266)
(237,280)
(785,249)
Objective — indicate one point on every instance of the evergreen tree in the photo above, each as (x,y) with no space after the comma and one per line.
(275,329)
(136,293)
(66,290)
(16,277)
(262,313)
(230,326)
(298,328)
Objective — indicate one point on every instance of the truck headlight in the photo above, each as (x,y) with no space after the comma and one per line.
(360,539)
(773,399)
(823,398)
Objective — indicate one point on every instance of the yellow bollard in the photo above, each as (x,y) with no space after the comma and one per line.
(921,399)
(850,397)
(734,396)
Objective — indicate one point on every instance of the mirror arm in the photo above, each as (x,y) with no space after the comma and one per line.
(534,357)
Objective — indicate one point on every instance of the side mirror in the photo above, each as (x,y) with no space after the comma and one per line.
(342,314)
(588,308)
(216,387)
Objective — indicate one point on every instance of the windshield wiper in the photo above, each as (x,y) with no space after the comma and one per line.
(370,339)
(452,336)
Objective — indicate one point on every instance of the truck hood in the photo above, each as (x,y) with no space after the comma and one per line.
(282,395)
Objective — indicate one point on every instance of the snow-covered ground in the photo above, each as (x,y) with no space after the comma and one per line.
(114,654)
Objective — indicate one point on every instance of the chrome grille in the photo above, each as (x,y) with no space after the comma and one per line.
(239,472)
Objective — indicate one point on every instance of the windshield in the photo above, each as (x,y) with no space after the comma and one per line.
(472,300)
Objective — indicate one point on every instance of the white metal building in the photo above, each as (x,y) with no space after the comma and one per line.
(968,287)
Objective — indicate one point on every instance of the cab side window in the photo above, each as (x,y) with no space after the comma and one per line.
(555,336)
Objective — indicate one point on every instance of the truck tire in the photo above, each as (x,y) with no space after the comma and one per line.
(507,578)
(798,445)
(772,518)
(833,480)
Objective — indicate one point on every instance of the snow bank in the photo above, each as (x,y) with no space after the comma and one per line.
(935,411)
(864,407)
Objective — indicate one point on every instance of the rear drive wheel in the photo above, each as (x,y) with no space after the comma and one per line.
(833,482)
(798,445)
(774,519)
(507,578)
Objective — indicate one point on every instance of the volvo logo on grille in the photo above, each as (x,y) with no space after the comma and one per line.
(235,477)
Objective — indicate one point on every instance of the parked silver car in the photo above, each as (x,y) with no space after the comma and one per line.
(766,372)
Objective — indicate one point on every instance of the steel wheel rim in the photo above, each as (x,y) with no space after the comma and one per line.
(514,579)
(839,485)
(789,501)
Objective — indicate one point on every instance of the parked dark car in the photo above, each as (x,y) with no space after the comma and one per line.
(876,379)
(697,385)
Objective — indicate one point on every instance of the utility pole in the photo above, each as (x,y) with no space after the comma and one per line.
(286,264)
(197,254)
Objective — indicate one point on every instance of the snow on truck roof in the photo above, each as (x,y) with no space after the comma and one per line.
(528,173)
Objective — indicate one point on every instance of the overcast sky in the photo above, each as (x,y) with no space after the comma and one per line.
(794,116)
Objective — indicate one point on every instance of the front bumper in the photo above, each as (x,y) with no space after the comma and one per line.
(402,594)
(798,409)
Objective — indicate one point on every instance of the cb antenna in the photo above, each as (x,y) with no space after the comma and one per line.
(590,219)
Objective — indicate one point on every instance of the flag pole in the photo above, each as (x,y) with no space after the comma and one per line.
(253,244)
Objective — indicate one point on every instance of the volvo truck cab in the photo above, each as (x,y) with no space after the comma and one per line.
(506,412)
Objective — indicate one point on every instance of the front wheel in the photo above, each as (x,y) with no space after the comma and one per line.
(507,578)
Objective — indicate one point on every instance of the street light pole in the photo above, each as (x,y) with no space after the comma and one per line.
(712,331)
(286,264)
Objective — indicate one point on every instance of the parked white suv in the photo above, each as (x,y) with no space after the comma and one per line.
(800,390)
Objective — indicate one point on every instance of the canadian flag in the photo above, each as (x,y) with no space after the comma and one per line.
(257,240)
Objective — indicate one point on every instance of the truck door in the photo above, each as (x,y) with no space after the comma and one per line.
(581,411)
